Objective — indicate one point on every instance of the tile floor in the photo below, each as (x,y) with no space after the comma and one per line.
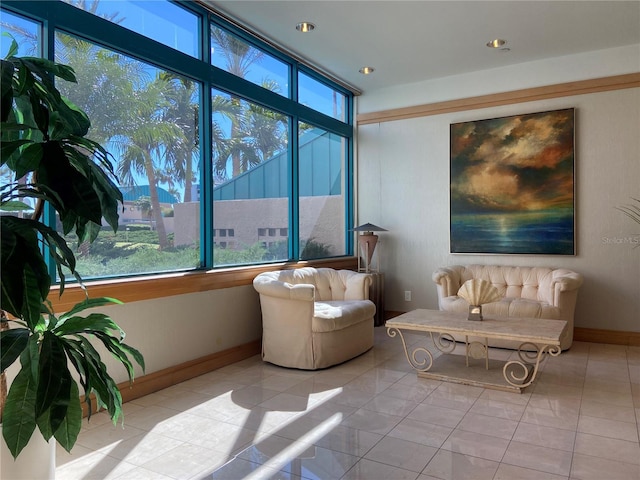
(372,418)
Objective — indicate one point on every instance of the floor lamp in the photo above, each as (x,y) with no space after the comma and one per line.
(367,242)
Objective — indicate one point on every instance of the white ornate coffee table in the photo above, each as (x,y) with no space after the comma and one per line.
(537,337)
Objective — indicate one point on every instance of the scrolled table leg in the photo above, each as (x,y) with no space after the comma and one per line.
(420,364)
(522,373)
(443,341)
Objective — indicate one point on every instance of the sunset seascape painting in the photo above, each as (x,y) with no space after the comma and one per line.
(512,185)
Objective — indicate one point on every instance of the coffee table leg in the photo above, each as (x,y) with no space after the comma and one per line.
(522,373)
(420,364)
(443,341)
(477,350)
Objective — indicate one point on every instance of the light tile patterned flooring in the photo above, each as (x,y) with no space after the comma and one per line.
(372,418)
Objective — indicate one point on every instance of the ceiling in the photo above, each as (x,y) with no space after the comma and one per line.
(411,41)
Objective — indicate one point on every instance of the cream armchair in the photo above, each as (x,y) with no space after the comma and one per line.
(314,317)
(534,292)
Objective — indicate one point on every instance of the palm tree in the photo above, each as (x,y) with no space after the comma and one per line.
(182,110)
(91,6)
(257,133)
(143,203)
(142,143)
(239,56)
(266,130)
(222,145)
(105,81)
(129,111)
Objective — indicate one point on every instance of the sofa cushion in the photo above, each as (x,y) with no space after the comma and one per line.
(334,315)
(329,284)
(507,307)
(533,283)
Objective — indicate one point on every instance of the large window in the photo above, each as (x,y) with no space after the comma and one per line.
(28,32)
(217,162)
(147,118)
(235,55)
(168,24)
(321,97)
(249,162)
(322,156)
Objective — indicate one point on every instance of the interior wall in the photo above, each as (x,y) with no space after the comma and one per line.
(173,330)
(403,185)
(600,63)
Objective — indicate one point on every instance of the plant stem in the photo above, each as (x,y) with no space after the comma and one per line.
(4,325)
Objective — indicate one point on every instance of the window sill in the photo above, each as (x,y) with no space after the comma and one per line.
(134,289)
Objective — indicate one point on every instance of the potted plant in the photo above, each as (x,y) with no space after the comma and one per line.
(631,210)
(51,162)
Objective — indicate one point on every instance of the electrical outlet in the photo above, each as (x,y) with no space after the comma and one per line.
(407,295)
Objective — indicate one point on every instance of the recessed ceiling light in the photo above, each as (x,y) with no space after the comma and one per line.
(305,27)
(497,43)
(366,70)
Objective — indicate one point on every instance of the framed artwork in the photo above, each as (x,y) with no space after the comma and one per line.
(512,184)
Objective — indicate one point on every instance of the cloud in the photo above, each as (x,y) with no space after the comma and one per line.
(522,162)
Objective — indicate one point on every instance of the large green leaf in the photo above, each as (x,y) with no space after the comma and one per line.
(21,258)
(67,433)
(24,79)
(114,346)
(57,412)
(101,157)
(107,191)
(10,147)
(19,419)
(135,354)
(92,324)
(53,384)
(44,67)
(15,206)
(75,190)
(41,71)
(72,121)
(39,111)
(13,48)
(6,89)
(25,277)
(44,424)
(68,119)
(89,303)
(30,190)
(76,355)
(12,344)
(101,384)
(29,160)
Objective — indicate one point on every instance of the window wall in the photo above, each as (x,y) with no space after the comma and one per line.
(228,152)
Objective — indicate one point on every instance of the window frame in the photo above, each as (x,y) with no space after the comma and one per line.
(60,16)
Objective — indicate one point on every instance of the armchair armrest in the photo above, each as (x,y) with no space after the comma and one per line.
(287,291)
(566,280)
(448,281)
(356,285)
(565,284)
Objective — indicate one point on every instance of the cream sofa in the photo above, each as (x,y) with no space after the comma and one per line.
(314,317)
(535,292)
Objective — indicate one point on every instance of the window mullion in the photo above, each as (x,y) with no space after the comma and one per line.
(294,199)
(49,213)
(206,155)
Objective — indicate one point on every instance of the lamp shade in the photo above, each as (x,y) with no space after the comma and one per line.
(369,227)
(367,241)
